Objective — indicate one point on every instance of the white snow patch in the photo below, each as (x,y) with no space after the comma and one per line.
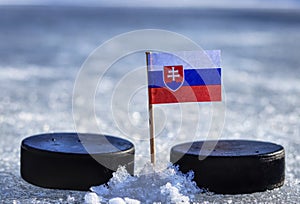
(92,198)
(149,186)
(116,201)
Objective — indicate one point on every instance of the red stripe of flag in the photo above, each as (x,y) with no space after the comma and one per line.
(204,93)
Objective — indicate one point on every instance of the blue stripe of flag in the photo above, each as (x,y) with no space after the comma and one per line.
(193,77)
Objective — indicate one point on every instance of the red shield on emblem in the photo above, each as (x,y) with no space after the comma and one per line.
(173,77)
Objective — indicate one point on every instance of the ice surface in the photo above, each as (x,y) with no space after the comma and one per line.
(42,49)
(149,186)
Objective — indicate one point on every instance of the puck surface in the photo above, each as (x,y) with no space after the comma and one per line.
(73,161)
(73,143)
(229,148)
(232,166)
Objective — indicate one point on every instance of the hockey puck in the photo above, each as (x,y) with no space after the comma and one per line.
(232,166)
(73,161)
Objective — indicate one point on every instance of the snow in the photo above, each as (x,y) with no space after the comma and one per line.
(150,185)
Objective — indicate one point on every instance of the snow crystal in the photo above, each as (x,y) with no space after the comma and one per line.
(131,201)
(126,200)
(70,199)
(92,198)
(116,201)
(149,186)
(172,194)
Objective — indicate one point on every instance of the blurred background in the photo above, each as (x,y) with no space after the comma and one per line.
(43,44)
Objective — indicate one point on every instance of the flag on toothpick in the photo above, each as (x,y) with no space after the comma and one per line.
(181,77)
(189,76)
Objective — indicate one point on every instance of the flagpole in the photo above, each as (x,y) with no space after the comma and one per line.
(152,140)
(151,117)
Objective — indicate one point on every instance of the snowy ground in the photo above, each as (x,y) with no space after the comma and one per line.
(42,50)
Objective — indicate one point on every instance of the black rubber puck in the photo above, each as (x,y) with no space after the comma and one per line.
(232,166)
(73,161)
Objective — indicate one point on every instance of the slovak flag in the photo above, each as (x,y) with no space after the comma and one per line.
(184,77)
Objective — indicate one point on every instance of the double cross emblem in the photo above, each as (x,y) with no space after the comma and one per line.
(173,77)
(173,73)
